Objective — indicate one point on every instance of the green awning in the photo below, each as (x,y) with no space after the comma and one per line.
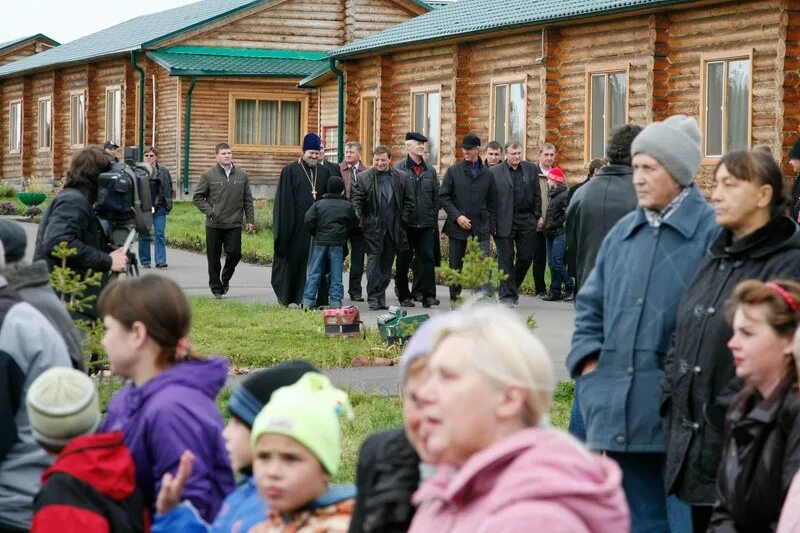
(219,62)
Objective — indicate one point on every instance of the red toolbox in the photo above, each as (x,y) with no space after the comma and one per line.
(342,322)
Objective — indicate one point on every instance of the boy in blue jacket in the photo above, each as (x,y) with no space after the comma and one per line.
(243,508)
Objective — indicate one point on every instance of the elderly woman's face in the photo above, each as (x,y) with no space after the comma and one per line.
(412,413)
(458,405)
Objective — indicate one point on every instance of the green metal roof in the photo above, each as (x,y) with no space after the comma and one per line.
(27,38)
(204,61)
(131,35)
(470,17)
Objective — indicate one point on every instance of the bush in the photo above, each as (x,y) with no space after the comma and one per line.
(7,191)
(8,208)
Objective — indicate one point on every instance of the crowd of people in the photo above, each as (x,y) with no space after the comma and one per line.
(685,355)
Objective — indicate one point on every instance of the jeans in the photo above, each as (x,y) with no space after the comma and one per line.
(216,239)
(576,427)
(323,255)
(159,229)
(651,509)
(556,247)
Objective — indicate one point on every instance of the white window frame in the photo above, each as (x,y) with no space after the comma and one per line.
(272,97)
(427,90)
(45,142)
(77,137)
(607,71)
(726,57)
(15,135)
(508,81)
(113,124)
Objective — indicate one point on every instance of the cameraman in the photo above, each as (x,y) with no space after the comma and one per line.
(71,218)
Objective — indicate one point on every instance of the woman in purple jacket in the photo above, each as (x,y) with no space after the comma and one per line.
(169,405)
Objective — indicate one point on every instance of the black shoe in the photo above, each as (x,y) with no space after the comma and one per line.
(225,289)
(427,302)
(145,266)
(541,295)
(552,297)
(568,296)
(378,307)
(217,296)
(417,297)
(356,299)
(407,302)
(162,265)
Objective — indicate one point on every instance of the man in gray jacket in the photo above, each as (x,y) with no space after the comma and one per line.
(30,345)
(223,195)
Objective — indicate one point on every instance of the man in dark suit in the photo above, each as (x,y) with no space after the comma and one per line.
(350,168)
(519,206)
(333,168)
(384,199)
(467,195)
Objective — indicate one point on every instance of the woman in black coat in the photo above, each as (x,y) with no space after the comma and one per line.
(71,218)
(761,450)
(757,242)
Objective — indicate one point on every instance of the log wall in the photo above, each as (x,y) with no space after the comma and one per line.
(15,53)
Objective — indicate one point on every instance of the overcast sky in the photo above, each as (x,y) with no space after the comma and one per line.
(65,20)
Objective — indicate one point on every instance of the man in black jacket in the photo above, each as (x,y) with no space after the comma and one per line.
(794,160)
(422,224)
(223,195)
(383,199)
(468,197)
(519,207)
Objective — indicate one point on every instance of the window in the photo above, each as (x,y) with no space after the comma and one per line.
(15,127)
(608,108)
(727,106)
(426,119)
(45,123)
(114,115)
(508,112)
(330,136)
(267,122)
(368,126)
(76,119)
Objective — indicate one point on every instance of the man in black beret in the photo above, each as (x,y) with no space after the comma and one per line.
(422,225)
(468,197)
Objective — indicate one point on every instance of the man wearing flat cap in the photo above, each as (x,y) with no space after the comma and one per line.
(468,197)
(422,224)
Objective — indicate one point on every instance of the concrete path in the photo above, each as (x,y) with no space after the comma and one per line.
(251,283)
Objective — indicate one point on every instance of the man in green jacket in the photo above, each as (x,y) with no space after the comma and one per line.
(223,195)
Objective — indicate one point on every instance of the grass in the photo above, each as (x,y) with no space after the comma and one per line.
(186,230)
(258,335)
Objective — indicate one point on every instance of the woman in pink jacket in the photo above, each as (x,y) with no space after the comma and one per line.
(484,405)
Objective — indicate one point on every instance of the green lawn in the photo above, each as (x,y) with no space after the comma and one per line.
(258,335)
(186,230)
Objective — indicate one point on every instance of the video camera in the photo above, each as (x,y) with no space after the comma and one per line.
(124,206)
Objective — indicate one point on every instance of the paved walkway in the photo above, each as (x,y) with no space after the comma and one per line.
(251,283)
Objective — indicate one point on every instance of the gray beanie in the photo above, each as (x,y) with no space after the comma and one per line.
(14,240)
(62,404)
(675,143)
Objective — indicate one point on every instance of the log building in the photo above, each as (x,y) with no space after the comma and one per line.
(185,79)
(569,72)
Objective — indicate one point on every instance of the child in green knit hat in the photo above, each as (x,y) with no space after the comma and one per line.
(296,449)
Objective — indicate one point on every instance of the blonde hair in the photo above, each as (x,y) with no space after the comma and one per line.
(507,352)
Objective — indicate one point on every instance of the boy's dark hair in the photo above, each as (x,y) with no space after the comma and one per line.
(382,150)
(335,185)
(618,151)
(494,145)
(220,147)
(84,168)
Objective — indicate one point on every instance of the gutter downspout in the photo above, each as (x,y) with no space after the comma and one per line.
(187,135)
(140,70)
(340,121)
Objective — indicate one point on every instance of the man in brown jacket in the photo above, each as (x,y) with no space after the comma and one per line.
(223,195)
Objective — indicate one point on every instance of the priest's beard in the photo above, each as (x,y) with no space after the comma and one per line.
(310,163)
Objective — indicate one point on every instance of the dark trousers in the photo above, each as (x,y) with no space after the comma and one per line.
(420,252)
(217,239)
(358,251)
(514,257)
(539,261)
(458,248)
(379,272)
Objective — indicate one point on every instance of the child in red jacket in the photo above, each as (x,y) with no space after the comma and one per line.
(92,484)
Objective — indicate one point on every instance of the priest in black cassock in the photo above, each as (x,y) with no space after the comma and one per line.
(302,182)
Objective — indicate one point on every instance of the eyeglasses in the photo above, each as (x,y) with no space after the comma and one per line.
(149,155)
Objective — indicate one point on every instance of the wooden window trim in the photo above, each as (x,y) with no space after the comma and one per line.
(602,68)
(362,127)
(272,96)
(508,80)
(49,147)
(427,89)
(12,103)
(107,89)
(710,57)
(71,94)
